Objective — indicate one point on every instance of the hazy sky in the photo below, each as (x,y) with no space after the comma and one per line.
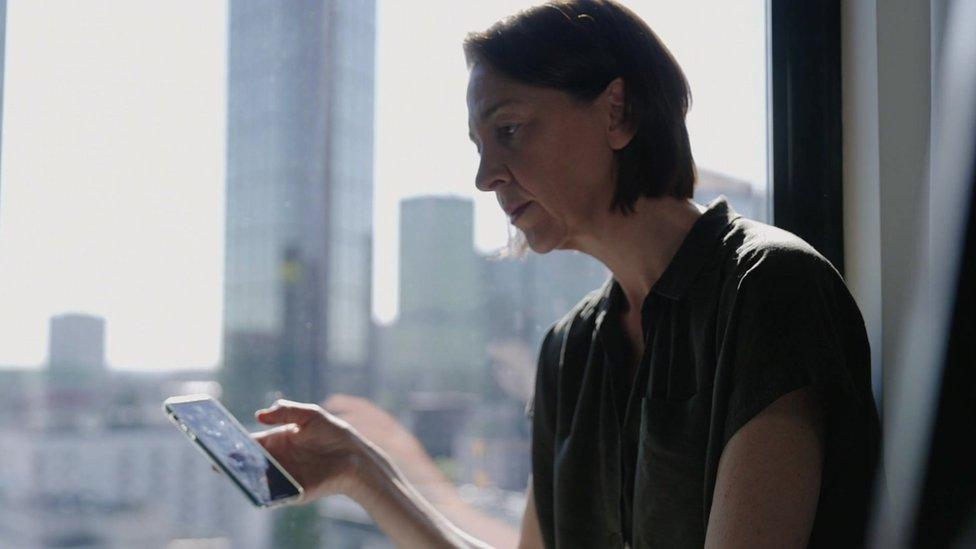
(111,198)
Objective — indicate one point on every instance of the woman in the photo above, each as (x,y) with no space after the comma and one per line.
(716,391)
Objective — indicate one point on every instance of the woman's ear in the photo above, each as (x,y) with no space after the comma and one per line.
(620,129)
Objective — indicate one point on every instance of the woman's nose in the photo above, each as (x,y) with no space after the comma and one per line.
(491,174)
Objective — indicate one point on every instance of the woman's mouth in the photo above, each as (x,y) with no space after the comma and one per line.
(517,212)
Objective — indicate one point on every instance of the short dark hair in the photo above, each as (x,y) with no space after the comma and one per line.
(579,47)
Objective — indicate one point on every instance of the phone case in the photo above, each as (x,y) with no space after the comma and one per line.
(171,414)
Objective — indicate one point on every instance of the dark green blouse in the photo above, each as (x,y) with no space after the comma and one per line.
(744,314)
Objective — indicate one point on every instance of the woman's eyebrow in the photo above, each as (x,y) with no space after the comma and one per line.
(493,108)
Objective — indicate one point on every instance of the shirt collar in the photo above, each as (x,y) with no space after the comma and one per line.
(695,250)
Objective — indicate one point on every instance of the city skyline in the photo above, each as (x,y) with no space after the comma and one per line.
(151,294)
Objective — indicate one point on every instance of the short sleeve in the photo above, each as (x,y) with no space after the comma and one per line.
(783,334)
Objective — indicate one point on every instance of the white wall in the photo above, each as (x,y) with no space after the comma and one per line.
(895,226)
(861,171)
(886,89)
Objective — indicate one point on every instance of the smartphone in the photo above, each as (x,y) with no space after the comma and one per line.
(230,447)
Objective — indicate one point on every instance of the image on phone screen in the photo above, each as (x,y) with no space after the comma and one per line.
(232,448)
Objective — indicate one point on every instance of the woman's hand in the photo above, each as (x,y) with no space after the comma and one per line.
(326,455)
(322,452)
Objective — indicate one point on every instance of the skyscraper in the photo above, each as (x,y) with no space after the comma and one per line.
(76,341)
(438,263)
(438,341)
(76,373)
(298,200)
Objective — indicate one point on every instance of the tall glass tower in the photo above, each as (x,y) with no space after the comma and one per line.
(299,200)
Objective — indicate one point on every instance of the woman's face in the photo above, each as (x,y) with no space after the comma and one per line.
(547,157)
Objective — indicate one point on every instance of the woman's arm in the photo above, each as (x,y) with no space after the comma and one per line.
(531,535)
(419,469)
(327,456)
(392,498)
(401,512)
(769,477)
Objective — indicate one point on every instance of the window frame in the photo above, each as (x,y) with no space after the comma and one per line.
(805,129)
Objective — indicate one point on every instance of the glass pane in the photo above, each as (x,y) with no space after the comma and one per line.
(255,199)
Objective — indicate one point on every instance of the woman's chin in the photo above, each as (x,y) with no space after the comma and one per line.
(542,242)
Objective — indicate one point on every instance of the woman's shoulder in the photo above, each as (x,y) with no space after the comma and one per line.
(767,271)
(758,253)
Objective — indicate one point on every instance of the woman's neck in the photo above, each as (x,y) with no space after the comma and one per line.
(637,248)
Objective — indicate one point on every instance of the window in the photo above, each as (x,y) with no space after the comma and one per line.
(261,198)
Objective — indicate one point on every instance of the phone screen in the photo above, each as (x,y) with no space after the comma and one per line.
(236,452)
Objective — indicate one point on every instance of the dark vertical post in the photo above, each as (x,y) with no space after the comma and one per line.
(805,111)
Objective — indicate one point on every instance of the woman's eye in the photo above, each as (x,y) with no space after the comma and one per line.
(506,132)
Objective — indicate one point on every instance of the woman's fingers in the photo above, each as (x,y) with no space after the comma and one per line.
(264,437)
(286,411)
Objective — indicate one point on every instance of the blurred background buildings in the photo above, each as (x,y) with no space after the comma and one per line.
(89,460)
(87,448)
(298,246)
